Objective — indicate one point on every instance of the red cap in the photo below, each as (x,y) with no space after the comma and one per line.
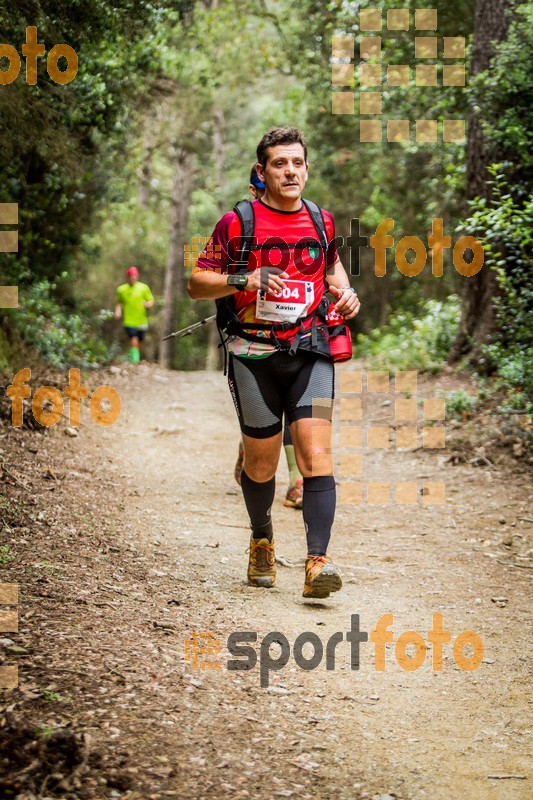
(132,271)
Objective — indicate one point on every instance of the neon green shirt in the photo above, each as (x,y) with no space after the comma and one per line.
(131,299)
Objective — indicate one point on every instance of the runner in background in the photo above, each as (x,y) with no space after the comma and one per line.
(294,496)
(133,298)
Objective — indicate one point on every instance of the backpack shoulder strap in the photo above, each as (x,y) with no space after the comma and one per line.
(245,212)
(318,221)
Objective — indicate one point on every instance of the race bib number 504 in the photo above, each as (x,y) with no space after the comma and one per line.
(285,306)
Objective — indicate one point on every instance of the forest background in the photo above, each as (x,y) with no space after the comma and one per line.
(154,138)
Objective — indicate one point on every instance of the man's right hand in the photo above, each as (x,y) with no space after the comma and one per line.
(269,279)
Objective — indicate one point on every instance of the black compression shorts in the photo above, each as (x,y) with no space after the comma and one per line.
(263,389)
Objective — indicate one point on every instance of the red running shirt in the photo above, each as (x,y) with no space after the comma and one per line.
(288,228)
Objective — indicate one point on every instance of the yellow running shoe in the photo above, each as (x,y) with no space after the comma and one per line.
(262,563)
(321,577)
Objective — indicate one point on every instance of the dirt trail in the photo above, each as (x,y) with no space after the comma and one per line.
(164,482)
(337,733)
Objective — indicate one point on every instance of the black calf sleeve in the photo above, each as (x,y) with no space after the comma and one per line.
(259,498)
(318,512)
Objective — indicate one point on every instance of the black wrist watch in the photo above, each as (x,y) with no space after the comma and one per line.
(239,280)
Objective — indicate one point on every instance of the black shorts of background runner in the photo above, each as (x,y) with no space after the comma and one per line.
(263,389)
(138,332)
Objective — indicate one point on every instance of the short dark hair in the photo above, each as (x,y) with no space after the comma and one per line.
(279,136)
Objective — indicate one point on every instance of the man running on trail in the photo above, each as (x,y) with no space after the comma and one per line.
(133,298)
(294,496)
(280,360)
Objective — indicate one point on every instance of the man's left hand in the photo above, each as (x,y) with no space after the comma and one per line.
(348,304)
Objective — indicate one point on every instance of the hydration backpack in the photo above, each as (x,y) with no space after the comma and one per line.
(229,324)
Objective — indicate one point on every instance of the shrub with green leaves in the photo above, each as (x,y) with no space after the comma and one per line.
(59,336)
(460,403)
(505,226)
(418,339)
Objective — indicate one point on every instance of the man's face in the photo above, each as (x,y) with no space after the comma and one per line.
(285,172)
(132,279)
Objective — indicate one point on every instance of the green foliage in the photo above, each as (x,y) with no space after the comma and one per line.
(413,340)
(504,94)
(410,182)
(60,337)
(52,697)
(5,554)
(460,403)
(171,68)
(56,140)
(504,224)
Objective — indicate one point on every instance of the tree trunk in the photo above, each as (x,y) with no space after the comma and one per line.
(146,166)
(213,357)
(175,273)
(477,313)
